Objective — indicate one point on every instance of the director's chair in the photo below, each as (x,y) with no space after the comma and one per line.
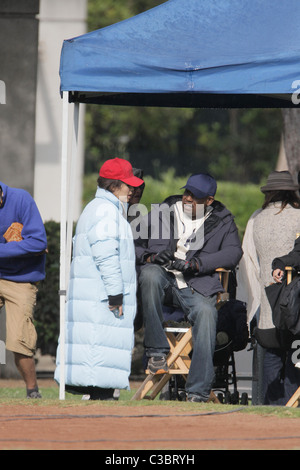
(178,360)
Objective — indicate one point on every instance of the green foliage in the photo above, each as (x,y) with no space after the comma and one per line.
(241,200)
(89,188)
(102,13)
(239,145)
(157,190)
(47,309)
(190,140)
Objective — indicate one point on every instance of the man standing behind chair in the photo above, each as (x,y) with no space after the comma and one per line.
(189,237)
(23,245)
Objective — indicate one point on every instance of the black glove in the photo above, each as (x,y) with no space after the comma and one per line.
(186,267)
(163,257)
(115,300)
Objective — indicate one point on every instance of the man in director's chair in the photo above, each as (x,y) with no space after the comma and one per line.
(189,237)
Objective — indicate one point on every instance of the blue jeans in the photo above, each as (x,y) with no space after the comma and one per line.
(155,285)
(281,377)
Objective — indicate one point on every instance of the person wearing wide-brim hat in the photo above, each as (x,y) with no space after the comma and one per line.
(270,233)
(280,181)
(101,299)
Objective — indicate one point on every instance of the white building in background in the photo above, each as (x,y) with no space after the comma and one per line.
(58,20)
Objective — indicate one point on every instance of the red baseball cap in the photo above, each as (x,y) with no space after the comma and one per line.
(120,169)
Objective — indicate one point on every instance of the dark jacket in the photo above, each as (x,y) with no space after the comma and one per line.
(291,259)
(284,298)
(221,245)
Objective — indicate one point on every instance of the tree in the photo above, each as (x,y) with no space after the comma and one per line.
(234,145)
(291,136)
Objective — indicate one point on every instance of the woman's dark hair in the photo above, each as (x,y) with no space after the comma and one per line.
(109,185)
(283,196)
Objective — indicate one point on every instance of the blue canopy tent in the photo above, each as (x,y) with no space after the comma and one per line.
(190,53)
(183,53)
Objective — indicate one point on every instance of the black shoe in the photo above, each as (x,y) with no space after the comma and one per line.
(97,393)
(34,394)
(158,365)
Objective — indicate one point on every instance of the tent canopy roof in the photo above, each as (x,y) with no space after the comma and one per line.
(190,53)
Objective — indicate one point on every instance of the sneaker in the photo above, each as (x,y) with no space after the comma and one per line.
(86,397)
(181,394)
(34,394)
(158,365)
(196,399)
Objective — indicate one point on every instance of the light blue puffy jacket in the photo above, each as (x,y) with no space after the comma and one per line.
(99,345)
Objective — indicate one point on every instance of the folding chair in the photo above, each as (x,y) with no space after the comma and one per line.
(294,401)
(178,360)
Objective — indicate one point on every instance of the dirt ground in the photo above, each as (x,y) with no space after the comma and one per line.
(99,426)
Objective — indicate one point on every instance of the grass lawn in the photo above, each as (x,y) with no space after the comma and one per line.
(15,395)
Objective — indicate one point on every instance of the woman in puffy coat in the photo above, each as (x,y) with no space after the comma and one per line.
(101,299)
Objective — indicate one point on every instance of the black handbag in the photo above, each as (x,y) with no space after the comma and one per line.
(284,300)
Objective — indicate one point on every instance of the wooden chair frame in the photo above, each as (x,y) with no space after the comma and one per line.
(178,360)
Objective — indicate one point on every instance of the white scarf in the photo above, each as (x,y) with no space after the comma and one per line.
(186,230)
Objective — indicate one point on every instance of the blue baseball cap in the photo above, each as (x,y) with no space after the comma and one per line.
(201,185)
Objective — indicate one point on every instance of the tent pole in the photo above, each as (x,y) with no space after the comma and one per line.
(72,189)
(62,283)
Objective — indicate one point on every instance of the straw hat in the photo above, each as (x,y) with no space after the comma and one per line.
(280,180)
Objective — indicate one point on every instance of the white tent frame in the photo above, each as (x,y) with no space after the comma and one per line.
(68,162)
